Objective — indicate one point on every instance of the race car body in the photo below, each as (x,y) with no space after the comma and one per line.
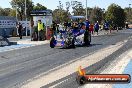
(70,39)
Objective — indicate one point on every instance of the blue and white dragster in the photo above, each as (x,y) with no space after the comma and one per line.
(70,38)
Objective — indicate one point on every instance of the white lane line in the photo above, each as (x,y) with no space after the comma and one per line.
(60,82)
(16,48)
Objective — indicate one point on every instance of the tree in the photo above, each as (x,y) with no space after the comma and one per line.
(89,11)
(39,7)
(78,8)
(115,15)
(1,11)
(60,15)
(128,12)
(12,13)
(20,5)
(5,11)
(96,15)
(68,4)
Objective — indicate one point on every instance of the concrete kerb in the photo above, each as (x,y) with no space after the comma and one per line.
(28,41)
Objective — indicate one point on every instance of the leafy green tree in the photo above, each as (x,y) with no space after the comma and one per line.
(5,11)
(96,15)
(128,12)
(20,5)
(60,15)
(78,8)
(1,11)
(39,7)
(115,15)
(89,10)
(12,13)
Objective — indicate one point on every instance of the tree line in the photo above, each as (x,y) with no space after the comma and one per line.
(114,14)
(19,7)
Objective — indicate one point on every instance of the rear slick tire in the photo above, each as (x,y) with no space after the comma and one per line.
(52,39)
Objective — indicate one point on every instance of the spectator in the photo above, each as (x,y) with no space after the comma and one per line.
(35,34)
(115,27)
(91,28)
(41,30)
(106,26)
(87,35)
(65,25)
(20,30)
(54,31)
(111,28)
(87,23)
(96,27)
(126,25)
(80,24)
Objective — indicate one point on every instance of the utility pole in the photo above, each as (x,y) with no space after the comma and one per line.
(16,17)
(16,11)
(86,11)
(26,15)
(129,12)
(31,26)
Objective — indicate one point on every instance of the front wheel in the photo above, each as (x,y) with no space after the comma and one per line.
(73,43)
(69,43)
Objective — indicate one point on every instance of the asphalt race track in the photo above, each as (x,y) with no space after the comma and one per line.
(17,66)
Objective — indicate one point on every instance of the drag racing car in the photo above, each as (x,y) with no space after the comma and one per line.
(71,38)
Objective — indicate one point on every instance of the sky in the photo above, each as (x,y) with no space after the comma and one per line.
(52,4)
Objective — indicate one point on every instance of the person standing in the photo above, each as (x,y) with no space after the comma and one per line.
(65,25)
(80,24)
(111,28)
(54,29)
(126,25)
(87,35)
(20,30)
(91,28)
(106,26)
(96,27)
(41,32)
